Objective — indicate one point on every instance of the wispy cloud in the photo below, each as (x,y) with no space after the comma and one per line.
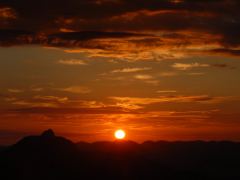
(34,104)
(13,90)
(147,79)
(143,77)
(40,101)
(76,89)
(187,66)
(168,74)
(10,99)
(140,102)
(196,74)
(72,62)
(37,89)
(166,91)
(52,98)
(130,70)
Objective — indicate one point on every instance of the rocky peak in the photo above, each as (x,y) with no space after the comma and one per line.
(48,133)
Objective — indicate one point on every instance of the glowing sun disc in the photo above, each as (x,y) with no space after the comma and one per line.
(119,134)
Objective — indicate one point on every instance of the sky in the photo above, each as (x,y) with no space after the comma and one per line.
(159,69)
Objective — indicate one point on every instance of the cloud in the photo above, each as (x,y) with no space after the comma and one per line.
(11,90)
(168,74)
(89,35)
(185,66)
(124,29)
(188,66)
(143,77)
(130,70)
(75,89)
(72,62)
(226,51)
(166,91)
(153,82)
(141,102)
(60,102)
(10,99)
(196,74)
(71,110)
(7,13)
(10,37)
(39,101)
(52,98)
(37,89)
(34,104)
(222,66)
(91,104)
(114,104)
(146,78)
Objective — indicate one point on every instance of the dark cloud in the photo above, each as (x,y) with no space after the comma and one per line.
(50,22)
(10,37)
(234,52)
(220,65)
(88,35)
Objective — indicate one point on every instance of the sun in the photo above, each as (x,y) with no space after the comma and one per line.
(119,134)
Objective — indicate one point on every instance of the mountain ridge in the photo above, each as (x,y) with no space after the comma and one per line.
(48,156)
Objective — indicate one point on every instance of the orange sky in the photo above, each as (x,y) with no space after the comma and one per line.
(158,69)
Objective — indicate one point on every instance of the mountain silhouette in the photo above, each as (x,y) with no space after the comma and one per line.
(46,142)
(48,156)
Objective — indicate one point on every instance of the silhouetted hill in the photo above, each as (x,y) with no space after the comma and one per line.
(2,148)
(51,157)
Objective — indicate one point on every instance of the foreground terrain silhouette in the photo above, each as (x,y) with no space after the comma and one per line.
(51,157)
